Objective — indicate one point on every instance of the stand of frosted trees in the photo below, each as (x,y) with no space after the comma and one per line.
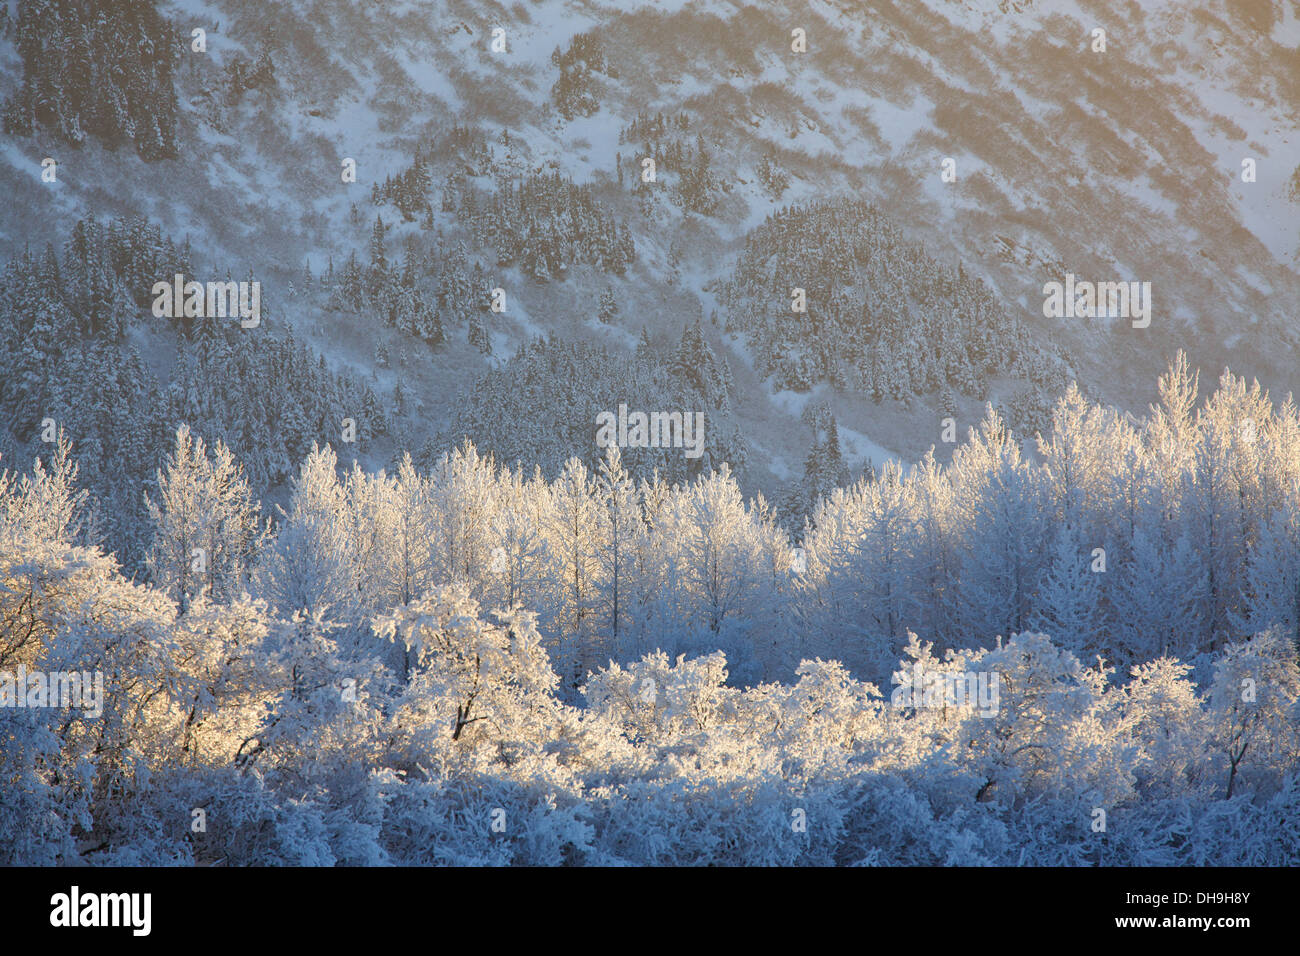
(472,665)
(1122,539)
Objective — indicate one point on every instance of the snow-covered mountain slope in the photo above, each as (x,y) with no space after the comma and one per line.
(1125,164)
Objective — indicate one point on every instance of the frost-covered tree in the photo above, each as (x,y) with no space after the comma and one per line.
(1068,600)
(207,530)
(620,525)
(573,535)
(1253,706)
(309,564)
(1002,505)
(473,679)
